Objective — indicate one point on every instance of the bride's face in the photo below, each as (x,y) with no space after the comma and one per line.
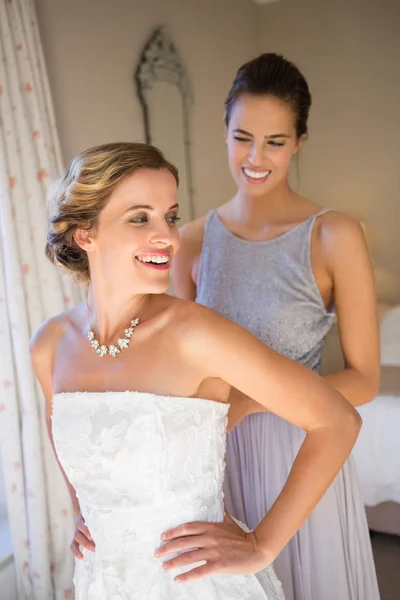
(136,235)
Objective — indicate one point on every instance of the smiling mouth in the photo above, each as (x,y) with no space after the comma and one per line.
(161,262)
(255,176)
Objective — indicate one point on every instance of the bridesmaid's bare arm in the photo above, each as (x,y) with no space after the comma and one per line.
(343,244)
(186,262)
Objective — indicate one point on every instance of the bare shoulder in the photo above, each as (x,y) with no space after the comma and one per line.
(197,324)
(185,264)
(192,236)
(334,224)
(194,230)
(191,313)
(43,338)
(331,224)
(342,241)
(47,335)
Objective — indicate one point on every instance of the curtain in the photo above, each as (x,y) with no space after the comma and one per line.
(31,291)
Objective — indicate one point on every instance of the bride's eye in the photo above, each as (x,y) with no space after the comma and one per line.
(139,219)
(173,219)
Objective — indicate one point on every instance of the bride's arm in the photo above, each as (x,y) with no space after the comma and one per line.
(226,351)
(240,406)
(41,348)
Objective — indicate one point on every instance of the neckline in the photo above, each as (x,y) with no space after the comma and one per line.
(272,240)
(136,393)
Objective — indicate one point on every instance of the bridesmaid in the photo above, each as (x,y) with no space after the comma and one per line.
(282,266)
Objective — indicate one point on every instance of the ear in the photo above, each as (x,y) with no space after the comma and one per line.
(84,239)
(299,144)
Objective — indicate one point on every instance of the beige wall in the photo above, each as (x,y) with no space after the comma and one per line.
(349,51)
(92,48)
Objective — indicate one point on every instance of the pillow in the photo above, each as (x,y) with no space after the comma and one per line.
(390,337)
(390,381)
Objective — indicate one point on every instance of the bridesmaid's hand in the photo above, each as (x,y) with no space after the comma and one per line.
(224,547)
(82,537)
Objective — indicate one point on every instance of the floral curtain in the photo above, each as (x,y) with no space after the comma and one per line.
(31,291)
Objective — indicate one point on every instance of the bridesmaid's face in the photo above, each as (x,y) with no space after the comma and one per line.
(136,235)
(261,140)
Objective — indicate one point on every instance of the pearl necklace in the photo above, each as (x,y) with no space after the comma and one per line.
(113,350)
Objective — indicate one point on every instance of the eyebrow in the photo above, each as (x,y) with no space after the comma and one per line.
(268,137)
(147,207)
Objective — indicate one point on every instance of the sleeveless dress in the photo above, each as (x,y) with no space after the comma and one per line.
(269,288)
(141,464)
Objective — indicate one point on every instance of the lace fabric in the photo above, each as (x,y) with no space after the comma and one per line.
(141,464)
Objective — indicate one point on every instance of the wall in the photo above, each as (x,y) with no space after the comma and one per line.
(92,48)
(349,50)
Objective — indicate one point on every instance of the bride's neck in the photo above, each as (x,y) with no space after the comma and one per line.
(109,314)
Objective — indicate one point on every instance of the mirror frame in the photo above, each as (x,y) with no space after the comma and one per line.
(160,61)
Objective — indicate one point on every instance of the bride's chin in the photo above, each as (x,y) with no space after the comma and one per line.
(160,287)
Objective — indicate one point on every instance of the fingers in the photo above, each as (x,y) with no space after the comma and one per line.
(82,527)
(196,573)
(196,528)
(179,545)
(75,550)
(192,542)
(82,540)
(187,558)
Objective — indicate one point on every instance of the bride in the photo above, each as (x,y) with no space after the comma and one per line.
(136,385)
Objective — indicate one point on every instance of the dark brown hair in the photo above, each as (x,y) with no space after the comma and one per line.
(272,75)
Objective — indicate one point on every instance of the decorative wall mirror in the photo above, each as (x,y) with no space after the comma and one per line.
(166,97)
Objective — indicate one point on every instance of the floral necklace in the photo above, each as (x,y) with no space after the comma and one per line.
(122,343)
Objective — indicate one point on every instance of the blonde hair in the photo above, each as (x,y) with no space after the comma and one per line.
(78,197)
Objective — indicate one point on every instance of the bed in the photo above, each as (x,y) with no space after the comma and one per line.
(377,451)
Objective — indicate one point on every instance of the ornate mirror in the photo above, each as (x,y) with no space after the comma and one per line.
(166,97)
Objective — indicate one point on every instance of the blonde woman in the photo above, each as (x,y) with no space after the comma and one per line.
(136,386)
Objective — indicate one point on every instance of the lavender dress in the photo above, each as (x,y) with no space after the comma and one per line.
(269,288)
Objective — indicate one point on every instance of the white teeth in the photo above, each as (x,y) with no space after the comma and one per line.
(255,174)
(157,259)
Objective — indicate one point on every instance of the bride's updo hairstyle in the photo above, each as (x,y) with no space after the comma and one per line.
(78,197)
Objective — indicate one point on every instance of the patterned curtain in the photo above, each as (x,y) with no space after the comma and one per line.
(31,291)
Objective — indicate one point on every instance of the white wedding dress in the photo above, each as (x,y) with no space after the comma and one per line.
(141,464)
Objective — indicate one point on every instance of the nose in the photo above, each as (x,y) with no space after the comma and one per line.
(161,234)
(256,155)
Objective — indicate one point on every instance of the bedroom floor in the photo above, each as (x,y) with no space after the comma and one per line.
(386,550)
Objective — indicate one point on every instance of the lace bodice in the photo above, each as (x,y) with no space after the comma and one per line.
(141,464)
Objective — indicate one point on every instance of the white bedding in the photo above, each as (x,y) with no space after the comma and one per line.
(377,451)
(390,337)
